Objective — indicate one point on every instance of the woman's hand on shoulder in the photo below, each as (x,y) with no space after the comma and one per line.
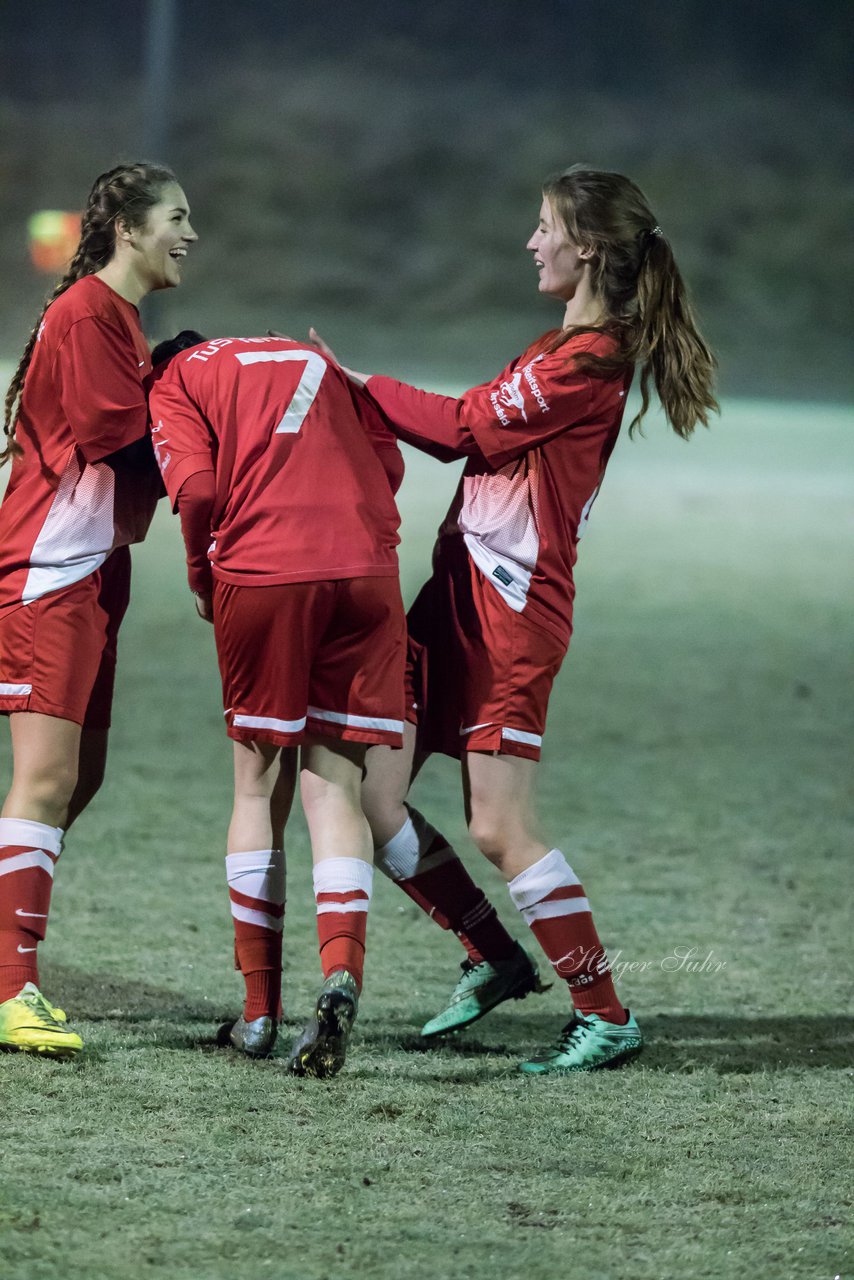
(325,350)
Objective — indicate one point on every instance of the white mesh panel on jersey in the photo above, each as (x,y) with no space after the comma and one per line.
(77,535)
(499,521)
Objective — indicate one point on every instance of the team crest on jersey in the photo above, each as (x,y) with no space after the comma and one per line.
(510,395)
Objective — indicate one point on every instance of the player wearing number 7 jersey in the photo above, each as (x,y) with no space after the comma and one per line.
(284,479)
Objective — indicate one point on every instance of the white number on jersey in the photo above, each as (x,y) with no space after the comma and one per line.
(307,387)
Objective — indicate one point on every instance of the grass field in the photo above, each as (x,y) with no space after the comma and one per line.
(695,774)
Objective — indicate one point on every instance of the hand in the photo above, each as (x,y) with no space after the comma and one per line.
(325,350)
(323,347)
(204,605)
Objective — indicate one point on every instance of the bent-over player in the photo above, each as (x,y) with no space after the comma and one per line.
(284,478)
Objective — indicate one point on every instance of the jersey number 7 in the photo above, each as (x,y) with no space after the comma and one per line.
(307,387)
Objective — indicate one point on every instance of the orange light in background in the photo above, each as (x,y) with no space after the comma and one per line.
(54,236)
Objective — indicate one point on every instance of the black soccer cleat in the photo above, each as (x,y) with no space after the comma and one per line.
(322,1047)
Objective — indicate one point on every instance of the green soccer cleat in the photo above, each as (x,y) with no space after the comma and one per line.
(30,1024)
(585,1044)
(484,986)
(321,1048)
(256,1038)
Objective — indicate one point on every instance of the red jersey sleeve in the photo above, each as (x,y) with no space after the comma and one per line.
(530,402)
(195,506)
(182,440)
(100,387)
(430,422)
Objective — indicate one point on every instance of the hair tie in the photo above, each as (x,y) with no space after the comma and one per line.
(656,231)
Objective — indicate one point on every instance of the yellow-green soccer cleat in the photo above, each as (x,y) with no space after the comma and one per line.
(30,1024)
(586,1043)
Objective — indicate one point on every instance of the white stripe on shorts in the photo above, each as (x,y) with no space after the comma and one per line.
(269,722)
(517,735)
(356,722)
(15,690)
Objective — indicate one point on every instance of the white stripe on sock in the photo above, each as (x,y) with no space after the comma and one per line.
(551,910)
(342,908)
(405,855)
(32,858)
(342,875)
(537,882)
(31,835)
(249,916)
(259,874)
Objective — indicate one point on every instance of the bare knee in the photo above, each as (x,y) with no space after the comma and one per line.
(385,811)
(43,794)
(505,839)
(384,789)
(490,835)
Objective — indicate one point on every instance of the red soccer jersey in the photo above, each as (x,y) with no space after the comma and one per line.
(539,437)
(65,509)
(301,492)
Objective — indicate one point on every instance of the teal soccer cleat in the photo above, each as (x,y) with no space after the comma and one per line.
(585,1044)
(482,987)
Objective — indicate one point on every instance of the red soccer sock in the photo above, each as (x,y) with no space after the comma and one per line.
(552,901)
(28,854)
(423,864)
(256,887)
(411,889)
(342,889)
(263,994)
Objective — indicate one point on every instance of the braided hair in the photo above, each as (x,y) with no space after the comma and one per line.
(644,296)
(125,193)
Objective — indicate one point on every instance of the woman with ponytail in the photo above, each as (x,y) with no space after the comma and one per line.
(489,630)
(82,488)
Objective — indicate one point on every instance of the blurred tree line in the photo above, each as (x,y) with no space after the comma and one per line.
(377,172)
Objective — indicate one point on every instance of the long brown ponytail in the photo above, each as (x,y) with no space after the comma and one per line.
(646,304)
(125,193)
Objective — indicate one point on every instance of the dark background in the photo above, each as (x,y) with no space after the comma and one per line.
(376,167)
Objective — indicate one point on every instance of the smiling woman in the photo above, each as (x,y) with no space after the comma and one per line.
(83,487)
(490,628)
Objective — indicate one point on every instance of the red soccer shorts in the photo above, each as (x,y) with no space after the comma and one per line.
(304,658)
(58,654)
(479,674)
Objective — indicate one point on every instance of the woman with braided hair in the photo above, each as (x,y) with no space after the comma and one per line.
(490,629)
(83,487)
